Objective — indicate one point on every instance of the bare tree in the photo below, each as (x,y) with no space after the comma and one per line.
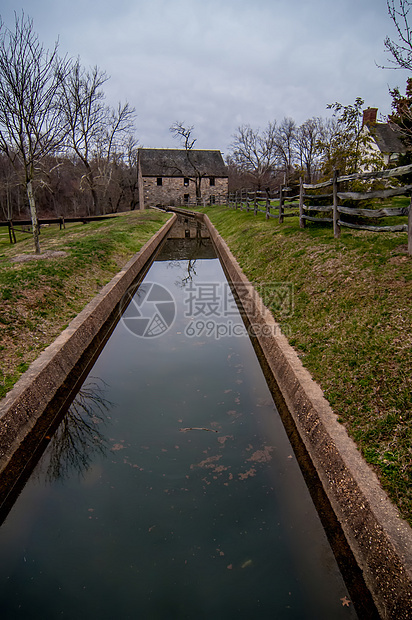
(10,187)
(401,52)
(130,177)
(30,121)
(184,134)
(114,143)
(95,130)
(308,145)
(85,114)
(255,152)
(329,141)
(284,140)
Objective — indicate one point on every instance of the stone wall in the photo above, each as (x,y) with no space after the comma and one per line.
(174,191)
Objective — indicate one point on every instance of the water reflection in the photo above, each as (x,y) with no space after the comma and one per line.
(189,271)
(79,438)
(183,253)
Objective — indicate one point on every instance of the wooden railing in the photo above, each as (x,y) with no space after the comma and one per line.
(25,226)
(261,201)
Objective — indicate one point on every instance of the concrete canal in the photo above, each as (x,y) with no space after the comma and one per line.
(170,488)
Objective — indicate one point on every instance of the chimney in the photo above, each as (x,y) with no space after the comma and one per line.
(369,116)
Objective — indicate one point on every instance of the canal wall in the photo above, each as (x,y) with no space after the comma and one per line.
(379,539)
(26,403)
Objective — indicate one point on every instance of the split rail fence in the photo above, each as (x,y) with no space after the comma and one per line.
(24,226)
(258,201)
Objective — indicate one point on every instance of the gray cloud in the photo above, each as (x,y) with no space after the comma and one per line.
(216,64)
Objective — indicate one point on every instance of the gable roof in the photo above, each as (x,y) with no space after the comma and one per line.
(177,163)
(387,137)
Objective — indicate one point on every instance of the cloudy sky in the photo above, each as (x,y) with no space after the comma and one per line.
(218,64)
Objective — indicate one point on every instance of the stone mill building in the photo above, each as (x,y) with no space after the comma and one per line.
(173,177)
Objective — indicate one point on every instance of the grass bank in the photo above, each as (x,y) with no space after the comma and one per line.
(351,325)
(38,298)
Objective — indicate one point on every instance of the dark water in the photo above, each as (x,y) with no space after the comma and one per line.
(171,490)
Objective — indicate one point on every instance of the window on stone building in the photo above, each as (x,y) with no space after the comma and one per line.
(186,182)
(212,180)
(159,181)
(212,199)
(186,198)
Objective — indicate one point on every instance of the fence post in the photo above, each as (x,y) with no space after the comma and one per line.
(302,222)
(281,204)
(255,204)
(336,227)
(410,228)
(247,201)
(12,234)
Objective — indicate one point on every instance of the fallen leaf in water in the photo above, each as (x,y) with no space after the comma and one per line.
(207,463)
(248,474)
(117,446)
(223,440)
(247,563)
(262,456)
(230,566)
(219,469)
(345,602)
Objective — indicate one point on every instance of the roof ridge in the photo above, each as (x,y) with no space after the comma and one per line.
(170,148)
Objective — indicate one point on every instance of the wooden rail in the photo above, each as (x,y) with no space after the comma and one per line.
(336,209)
(21,225)
(263,202)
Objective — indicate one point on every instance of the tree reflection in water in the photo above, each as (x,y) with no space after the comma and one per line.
(78,439)
(188,269)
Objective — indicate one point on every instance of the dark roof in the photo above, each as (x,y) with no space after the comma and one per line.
(176,163)
(387,137)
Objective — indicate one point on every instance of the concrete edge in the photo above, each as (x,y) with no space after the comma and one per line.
(26,402)
(380,540)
